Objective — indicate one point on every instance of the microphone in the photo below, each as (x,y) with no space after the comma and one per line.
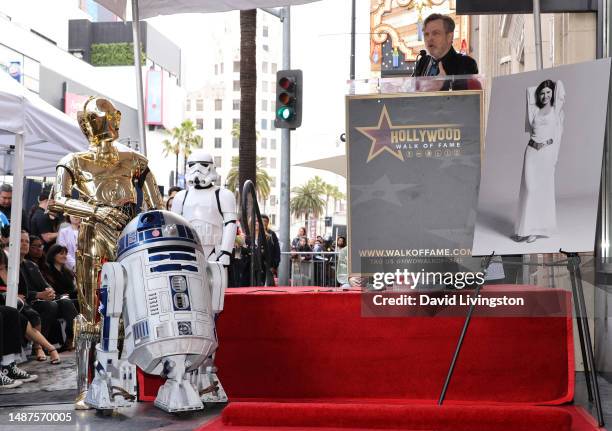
(420,63)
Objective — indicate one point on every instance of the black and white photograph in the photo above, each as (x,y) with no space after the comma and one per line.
(540,181)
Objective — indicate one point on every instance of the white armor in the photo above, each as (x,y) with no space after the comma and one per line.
(160,285)
(211,210)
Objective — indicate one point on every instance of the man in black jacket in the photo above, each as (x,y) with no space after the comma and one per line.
(275,246)
(443,60)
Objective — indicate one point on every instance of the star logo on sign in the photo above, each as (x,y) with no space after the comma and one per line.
(381,136)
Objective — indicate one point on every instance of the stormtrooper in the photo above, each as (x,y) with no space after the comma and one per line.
(161,285)
(211,210)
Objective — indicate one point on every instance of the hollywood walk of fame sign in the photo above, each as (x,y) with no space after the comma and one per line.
(413,177)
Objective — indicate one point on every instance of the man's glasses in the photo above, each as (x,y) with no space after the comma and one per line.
(37,246)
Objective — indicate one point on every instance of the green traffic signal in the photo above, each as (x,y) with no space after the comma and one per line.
(288,99)
(285,113)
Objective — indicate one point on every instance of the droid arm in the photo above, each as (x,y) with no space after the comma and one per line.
(62,201)
(227,206)
(146,181)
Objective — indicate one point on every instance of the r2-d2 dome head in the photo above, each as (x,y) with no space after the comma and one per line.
(201,172)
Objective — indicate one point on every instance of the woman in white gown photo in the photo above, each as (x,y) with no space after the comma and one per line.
(537,213)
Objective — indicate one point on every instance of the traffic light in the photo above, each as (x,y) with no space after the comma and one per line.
(288,99)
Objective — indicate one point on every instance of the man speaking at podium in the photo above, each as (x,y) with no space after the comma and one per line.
(442,60)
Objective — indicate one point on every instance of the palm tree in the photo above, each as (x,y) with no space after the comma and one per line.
(183,140)
(247,163)
(173,146)
(263,179)
(307,199)
(337,196)
(333,192)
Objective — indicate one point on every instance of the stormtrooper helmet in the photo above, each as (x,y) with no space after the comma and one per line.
(201,171)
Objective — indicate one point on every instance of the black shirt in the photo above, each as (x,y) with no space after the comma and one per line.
(31,281)
(276,252)
(61,281)
(41,223)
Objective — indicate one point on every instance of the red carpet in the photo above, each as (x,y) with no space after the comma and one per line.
(316,349)
(382,416)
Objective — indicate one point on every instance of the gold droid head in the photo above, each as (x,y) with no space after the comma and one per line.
(99,120)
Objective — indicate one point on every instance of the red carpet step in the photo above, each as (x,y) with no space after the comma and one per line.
(411,417)
(292,345)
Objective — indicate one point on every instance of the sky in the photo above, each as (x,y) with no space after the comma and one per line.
(322,51)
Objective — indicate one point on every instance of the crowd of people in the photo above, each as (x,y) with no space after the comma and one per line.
(47,295)
(315,260)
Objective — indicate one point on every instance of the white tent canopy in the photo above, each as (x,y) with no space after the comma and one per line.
(335,164)
(40,136)
(151,8)
(48,133)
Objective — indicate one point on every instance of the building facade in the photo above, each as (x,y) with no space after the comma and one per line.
(215,108)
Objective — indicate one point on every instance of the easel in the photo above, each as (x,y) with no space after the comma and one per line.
(573,266)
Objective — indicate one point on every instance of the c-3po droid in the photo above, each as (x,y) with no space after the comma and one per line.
(161,286)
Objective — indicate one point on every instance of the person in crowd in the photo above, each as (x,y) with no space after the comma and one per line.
(43,223)
(340,243)
(59,277)
(12,329)
(302,272)
(265,256)
(239,256)
(42,297)
(36,253)
(173,191)
(274,245)
(6,199)
(68,237)
(319,261)
(301,233)
(30,332)
(537,208)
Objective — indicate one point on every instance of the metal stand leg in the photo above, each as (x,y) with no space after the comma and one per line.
(581,336)
(466,324)
(573,265)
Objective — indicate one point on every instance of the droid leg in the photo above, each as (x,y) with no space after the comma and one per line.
(86,331)
(208,384)
(177,394)
(114,384)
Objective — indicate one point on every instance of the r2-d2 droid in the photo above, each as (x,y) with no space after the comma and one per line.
(161,286)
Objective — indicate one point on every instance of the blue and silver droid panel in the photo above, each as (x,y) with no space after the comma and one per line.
(155,227)
(180,293)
